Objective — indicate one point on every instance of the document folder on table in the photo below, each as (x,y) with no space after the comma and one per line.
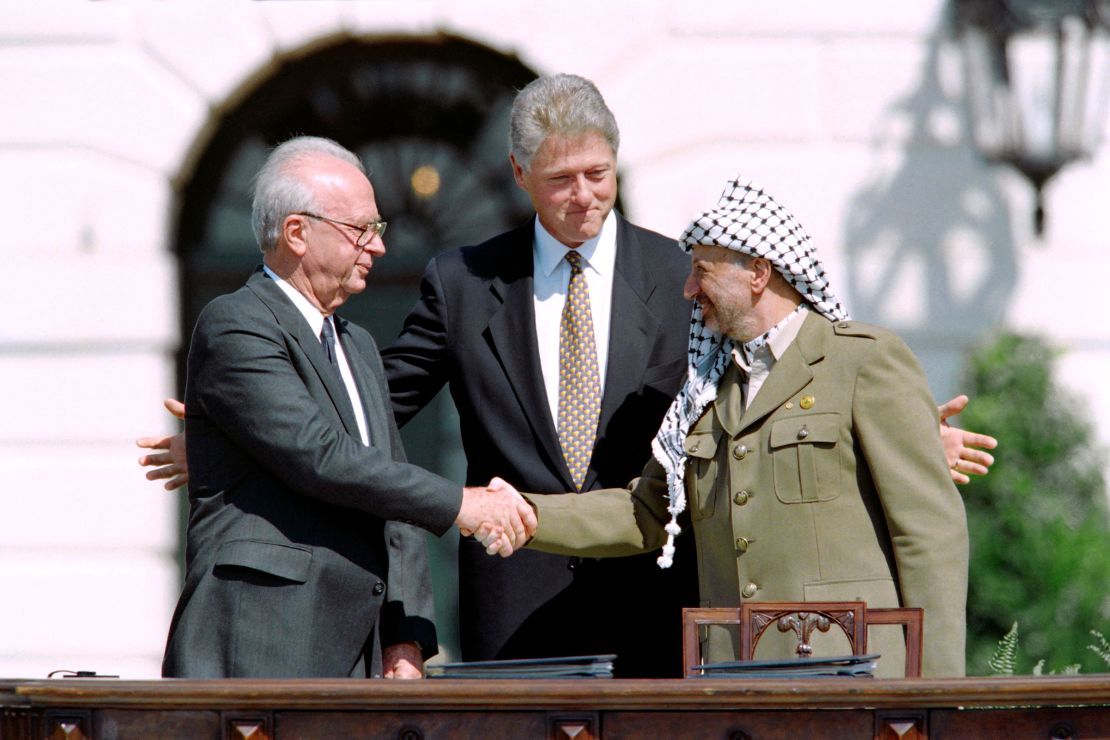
(860,666)
(580,666)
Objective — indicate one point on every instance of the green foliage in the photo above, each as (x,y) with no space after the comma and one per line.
(1040,540)
(1102,650)
(1068,670)
(1005,655)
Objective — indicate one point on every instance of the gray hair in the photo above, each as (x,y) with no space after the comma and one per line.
(280,189)
(558,105)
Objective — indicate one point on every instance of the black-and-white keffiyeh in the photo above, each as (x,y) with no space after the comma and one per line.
(747,220)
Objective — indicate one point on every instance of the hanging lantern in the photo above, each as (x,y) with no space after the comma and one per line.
(1038,78)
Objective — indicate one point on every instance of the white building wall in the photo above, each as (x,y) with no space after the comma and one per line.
(850,114)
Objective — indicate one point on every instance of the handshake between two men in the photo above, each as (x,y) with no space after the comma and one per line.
(504,518)
(498,516)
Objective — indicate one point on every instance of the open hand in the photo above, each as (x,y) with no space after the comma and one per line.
(170,464)
(960,446)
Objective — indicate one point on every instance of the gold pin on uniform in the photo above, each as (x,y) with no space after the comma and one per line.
(806,402)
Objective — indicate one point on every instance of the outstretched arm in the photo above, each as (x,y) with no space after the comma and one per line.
(610,522)
(417,362)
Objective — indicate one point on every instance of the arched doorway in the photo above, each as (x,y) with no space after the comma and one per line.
(429,118)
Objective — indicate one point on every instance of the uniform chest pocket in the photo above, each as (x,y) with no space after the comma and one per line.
(805,453)
(701,473)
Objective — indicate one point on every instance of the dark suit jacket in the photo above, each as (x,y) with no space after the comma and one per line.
(297,560)
(474,329)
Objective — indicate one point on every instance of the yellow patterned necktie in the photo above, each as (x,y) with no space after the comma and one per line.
(579,385)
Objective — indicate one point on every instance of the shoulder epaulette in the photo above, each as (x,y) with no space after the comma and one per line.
(856,329)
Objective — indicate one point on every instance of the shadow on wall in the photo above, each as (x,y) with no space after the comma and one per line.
(928,243)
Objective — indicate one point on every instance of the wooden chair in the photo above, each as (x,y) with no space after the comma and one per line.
(802,618)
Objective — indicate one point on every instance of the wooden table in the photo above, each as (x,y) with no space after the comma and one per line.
(1012,708)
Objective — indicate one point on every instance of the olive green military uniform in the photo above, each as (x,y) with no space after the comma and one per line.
(832,486)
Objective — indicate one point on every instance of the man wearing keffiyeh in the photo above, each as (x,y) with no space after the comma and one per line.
(804,445)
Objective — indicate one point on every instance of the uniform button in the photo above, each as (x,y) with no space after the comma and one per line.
(749,590)
(742,544)
(379,589)
(741,498)
(573,563)
(740,452)
(803,433)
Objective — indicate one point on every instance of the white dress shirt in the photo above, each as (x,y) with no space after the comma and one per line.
(316,321)
(550,275)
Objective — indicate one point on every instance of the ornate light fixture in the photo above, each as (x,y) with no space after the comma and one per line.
(1038,78)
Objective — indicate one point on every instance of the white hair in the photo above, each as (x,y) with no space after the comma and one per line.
(279,188)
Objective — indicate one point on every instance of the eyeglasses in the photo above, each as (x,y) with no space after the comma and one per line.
(366,232)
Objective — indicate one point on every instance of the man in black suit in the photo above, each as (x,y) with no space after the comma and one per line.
(488,324)
(300,558)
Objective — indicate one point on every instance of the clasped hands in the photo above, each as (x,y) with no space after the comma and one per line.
(498,516)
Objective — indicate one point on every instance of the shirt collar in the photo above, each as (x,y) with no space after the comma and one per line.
(599,253)
(782,336)
(775,340)
(311,314)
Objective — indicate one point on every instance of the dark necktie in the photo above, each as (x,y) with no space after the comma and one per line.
(579,384)
(327,340)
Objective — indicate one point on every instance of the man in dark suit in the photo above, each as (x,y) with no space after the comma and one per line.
(488,324)
(300,558)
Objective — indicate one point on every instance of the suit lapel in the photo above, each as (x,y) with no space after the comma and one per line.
(294,324)
(791,372)
(729,403)
(632,329)
(511,333)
